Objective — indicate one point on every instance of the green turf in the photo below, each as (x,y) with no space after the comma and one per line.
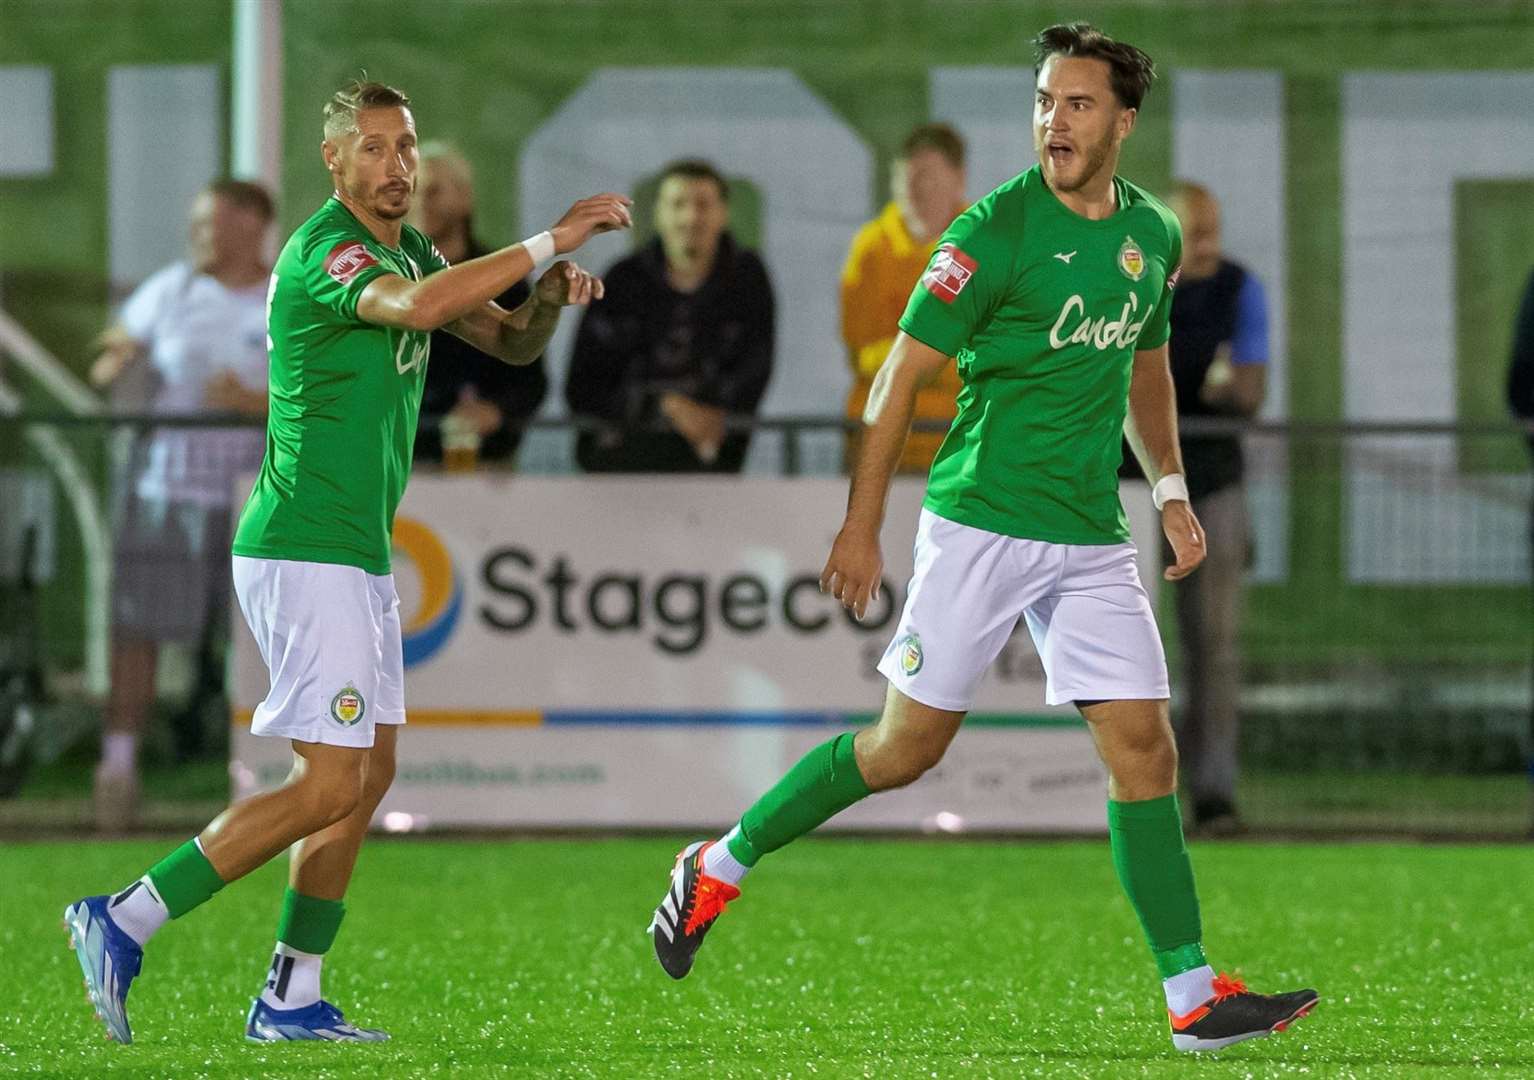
(845,958)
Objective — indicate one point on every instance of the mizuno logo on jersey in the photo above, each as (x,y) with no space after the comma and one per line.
(950,271)
(348,259)
(1102,332)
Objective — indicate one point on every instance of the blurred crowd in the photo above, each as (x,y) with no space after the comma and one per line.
(664,376)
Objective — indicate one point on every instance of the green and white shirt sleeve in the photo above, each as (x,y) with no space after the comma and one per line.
(1158,328)
(338,266)
(965,281)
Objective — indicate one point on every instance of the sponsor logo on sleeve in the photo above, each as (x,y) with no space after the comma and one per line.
(1171,282)
(950,271)
(348,259)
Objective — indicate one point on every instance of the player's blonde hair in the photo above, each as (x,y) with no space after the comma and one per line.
(359,94)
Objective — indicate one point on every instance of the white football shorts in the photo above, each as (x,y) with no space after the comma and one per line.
(1089,616)
(330,638)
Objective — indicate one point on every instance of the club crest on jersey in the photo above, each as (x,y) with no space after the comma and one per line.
(1132,259)
(348,259)
(347,707)
(910,654)
(950,271)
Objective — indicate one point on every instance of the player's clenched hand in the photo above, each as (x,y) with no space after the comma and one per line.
(598,214)
(1186,536)
(566,283)
(852,572)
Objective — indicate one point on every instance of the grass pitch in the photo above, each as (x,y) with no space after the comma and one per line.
(844,958)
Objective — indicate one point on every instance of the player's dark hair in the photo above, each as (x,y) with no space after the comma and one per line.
(940,137)
(696,169)
(359,94)
(1130,70)
(246,195)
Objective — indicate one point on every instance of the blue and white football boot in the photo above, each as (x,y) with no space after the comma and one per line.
(110,960)
(322,1020)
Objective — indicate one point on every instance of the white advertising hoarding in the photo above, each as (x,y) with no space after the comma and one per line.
(655,652)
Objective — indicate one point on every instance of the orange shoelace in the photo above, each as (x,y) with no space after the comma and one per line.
(709,897)
(1227,986)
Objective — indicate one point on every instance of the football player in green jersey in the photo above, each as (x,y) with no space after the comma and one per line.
(352,302)
(1052,294)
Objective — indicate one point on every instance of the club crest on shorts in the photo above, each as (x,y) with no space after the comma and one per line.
(1132,259)
(910,654)
(347,707)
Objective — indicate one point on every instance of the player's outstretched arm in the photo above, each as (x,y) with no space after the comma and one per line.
(520,336)
(1151,428)
(435,301)
(852,572)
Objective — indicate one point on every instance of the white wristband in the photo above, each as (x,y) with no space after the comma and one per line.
(1169,487)
(540,248)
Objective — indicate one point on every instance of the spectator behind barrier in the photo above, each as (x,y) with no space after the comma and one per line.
(1520,388)
(887,257)
(477,402)
(195,334)
(682,341)
(1520,373)
(1219,355)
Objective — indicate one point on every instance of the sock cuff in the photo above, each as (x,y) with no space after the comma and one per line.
(1178,959)
(845,773)
(740,847)
(308,923)
(1144,810)
(284,949)
(184,879)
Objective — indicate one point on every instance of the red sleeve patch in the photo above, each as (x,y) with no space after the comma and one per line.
(348,259)
(950,271)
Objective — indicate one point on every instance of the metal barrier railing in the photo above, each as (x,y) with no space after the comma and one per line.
(1388,623)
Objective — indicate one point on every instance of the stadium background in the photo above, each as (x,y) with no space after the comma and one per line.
(1389,629)
(1414,658)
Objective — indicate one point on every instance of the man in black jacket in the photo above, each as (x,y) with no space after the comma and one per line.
(681,343)
(1520,398)
(1520,373)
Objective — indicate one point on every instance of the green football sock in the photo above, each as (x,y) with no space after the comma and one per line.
(184,879)
(308,923)
(824,783)
(1157,875)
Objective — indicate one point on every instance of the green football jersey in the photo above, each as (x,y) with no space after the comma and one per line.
(1043,309)
(344,394)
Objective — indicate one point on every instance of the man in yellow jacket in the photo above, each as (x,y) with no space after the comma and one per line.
(887,257)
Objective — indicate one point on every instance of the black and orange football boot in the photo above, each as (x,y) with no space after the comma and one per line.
(691,904)
(1235,1014)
